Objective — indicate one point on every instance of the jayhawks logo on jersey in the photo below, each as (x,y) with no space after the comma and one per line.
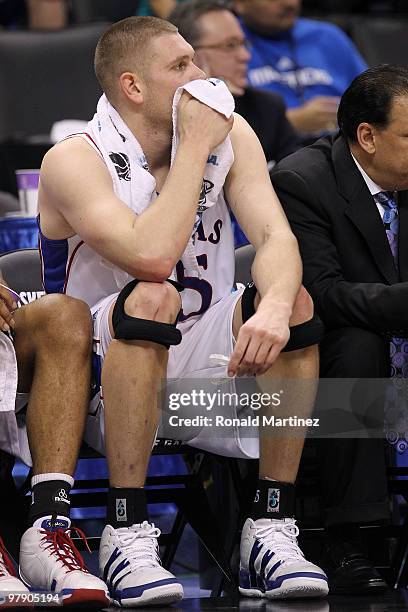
(122,165)
(207,187)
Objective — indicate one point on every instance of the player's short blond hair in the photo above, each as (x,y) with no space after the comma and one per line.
(125,47)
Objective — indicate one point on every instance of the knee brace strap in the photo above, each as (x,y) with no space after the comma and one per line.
(306,334)
(301,336)
(133,328)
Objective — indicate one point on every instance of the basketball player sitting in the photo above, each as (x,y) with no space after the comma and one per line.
(116,231)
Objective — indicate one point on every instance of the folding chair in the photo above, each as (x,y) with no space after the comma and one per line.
(382,40)
(46,77)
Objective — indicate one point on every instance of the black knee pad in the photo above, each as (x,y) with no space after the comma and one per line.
(301,336)
(133,328)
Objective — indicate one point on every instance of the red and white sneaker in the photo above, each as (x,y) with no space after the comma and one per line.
(50,561)
(8,579)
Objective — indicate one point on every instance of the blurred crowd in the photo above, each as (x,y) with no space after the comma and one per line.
(54,14)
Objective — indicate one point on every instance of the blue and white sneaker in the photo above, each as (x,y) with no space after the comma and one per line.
(272,564)
(130,565)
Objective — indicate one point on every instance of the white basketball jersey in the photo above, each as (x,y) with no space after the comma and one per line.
(70,266)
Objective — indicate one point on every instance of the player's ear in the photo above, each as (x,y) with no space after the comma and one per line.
(131,87)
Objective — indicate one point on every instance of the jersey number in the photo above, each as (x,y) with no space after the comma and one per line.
(196,284)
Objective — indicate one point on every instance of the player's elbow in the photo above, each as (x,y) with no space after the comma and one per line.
(154,269)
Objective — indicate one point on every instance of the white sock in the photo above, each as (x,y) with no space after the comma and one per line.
(52,476)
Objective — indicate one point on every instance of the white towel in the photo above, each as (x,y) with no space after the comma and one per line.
(213,93)
(8,374)
(13,437)
(129,170)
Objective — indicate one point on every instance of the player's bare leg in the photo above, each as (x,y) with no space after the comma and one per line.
(131,378)
(53,343)
(132,373)
(270,535)
(280,456)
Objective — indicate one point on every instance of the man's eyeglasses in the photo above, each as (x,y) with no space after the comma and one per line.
(230,46)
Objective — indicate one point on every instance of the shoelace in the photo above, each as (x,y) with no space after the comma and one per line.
(139,545)
(59,543)
(6,565)
(282,539)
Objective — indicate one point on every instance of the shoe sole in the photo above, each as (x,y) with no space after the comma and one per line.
(165,594)
(291,589)
(77,598)
(81,598)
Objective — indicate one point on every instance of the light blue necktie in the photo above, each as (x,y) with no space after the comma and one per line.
(398,346)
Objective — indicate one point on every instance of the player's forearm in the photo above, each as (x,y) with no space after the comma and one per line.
(277,272)
(170,219)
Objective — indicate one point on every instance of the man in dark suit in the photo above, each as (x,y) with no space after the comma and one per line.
(347,201)
(222,51)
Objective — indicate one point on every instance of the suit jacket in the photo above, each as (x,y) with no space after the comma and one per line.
(348,266)
(266,114)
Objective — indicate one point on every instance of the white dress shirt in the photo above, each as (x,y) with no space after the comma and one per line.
(373,187)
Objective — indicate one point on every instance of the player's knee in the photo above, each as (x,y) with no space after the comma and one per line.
(60,321)
(154,302)
(303,308)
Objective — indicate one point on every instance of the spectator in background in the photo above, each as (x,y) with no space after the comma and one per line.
(221,51)
(47,14)
(159,8)
(310,63)
(35,14)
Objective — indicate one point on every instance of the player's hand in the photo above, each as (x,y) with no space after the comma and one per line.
(317,115)
(7,306)
(200,124)
(259,342)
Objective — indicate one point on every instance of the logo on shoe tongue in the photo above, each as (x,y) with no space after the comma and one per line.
(273,500)
(54,524)
(121,514)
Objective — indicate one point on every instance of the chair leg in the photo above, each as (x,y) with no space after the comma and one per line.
(197,511)
(175,537)
(240,487)
(399,565)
